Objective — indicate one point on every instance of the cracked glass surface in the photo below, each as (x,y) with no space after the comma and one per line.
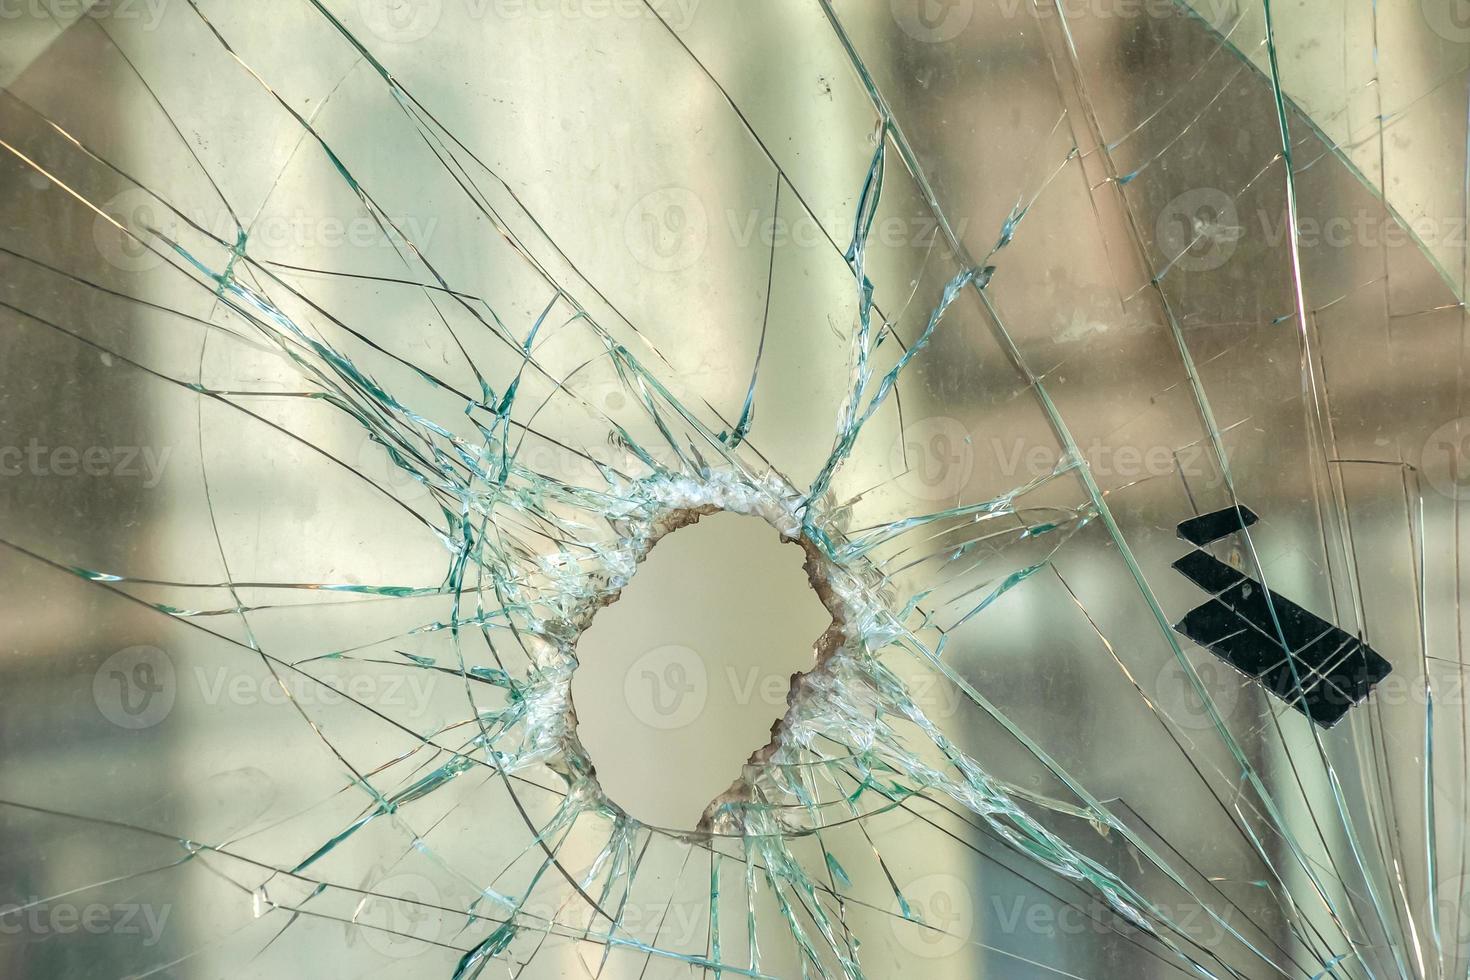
(1105,359)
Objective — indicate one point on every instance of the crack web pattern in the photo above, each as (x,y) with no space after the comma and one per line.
(396,333)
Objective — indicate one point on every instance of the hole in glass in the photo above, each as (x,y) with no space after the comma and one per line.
(686,674)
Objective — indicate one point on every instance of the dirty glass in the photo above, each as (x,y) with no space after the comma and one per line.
(1097,368)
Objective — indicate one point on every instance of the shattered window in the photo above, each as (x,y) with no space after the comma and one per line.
(733,488)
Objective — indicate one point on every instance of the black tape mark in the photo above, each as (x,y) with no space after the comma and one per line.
(1336,669)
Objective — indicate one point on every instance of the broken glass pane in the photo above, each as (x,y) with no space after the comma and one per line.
(1101,363)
